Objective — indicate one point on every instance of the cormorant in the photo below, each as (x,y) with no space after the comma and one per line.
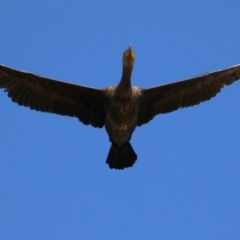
(120,109)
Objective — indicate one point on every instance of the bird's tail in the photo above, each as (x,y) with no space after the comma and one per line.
(123,159)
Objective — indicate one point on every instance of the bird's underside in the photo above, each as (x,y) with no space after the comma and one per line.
(97,107)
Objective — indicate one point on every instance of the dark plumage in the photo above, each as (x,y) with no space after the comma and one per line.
(120,109)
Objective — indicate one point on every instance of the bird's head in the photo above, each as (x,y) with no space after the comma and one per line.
(128,57)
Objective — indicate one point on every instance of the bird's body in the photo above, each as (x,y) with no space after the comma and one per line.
(120,122)
(121,115)
(120,109)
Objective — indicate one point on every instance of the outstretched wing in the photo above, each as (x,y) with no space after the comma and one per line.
(186,93)
(47,95)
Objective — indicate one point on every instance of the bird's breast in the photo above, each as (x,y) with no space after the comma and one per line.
(121,116)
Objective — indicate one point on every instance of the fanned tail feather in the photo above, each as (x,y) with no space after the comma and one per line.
(120,160)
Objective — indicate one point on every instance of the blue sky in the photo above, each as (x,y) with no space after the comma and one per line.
(53,178)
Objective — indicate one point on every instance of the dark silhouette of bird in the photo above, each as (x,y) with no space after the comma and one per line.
(121,108)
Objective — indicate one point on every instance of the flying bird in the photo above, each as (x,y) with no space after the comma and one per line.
(120,108)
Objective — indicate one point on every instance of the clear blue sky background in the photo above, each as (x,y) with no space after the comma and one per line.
(54,183)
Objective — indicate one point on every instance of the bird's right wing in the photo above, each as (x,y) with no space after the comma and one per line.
(186,93)
(47,95)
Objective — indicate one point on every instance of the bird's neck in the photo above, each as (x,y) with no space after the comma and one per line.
(124,88)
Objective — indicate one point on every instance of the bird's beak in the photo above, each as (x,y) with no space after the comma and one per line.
(129,56)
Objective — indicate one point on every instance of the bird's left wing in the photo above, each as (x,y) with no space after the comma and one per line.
(186,93)
(47,95)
